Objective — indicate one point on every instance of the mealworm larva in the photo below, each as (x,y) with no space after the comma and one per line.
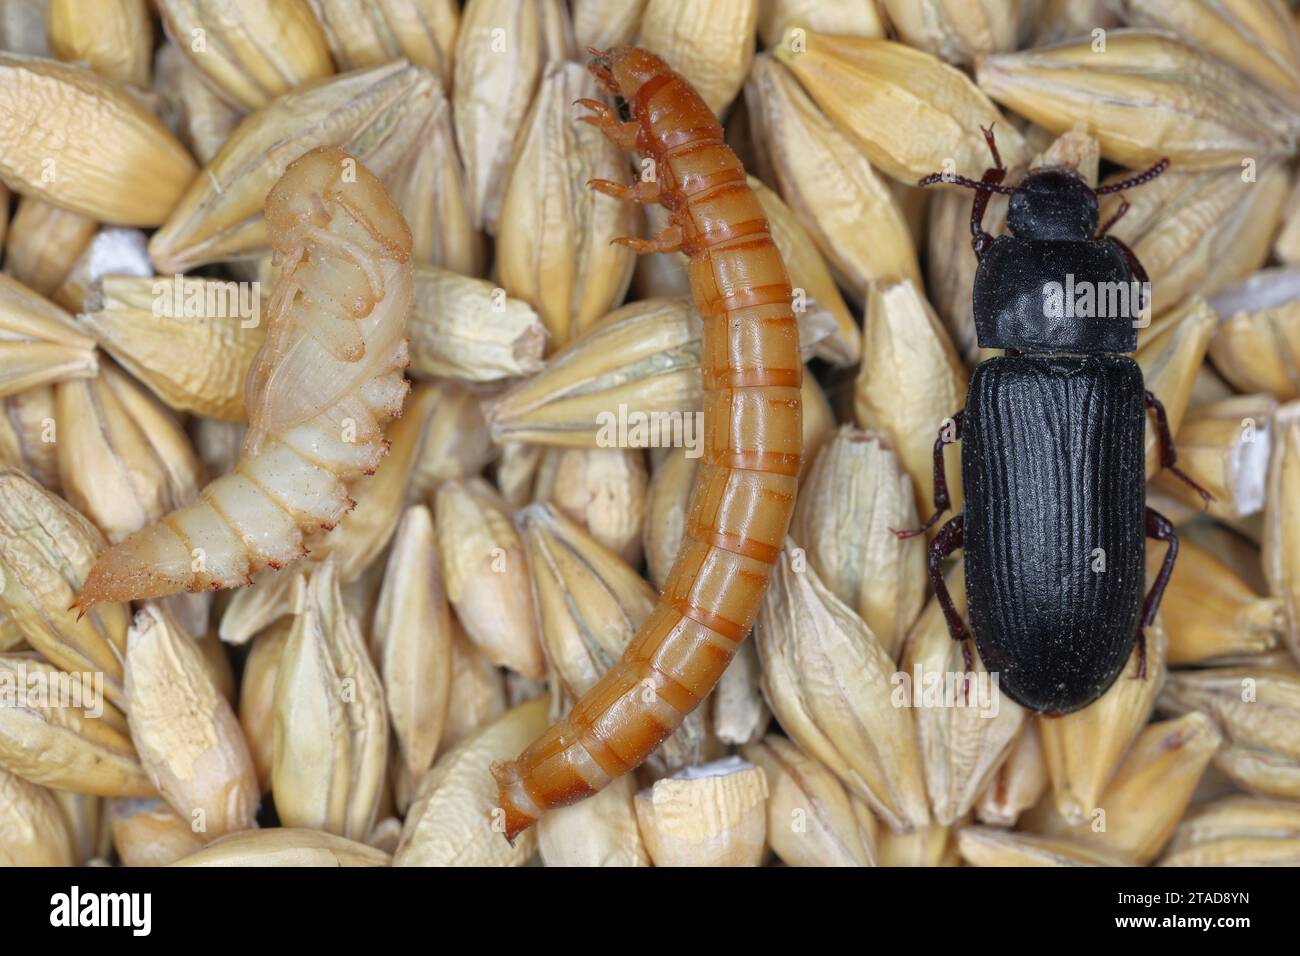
(328,377)
(745,488)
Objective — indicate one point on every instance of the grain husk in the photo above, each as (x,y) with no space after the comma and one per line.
(33,830)
(148,832)
(871,89)
(827,680)
(839,17)
(195,357)
(257,698)
(1257,708)
(187,103)
(500,51)
(412,641)
(1139,809)
(1018,783)
(992,846)
(1237,831)
(46,550)
(250,52)
(667,506)
(644,357)
(1210,612)
(362,33)
(39,342)
(602,489)
(1150,95)
(378,115)
(910,384)
(961,32)
(56,730)
(27,435)
(1256,346)
(854,497)
(1199,230)
(812,820)
(710,42)
(1223,446)
(331,726)
(133,177)
(471,329)
(124,461)
(554,249)
(285,846)
(185,731)
(605,23)
(600,831)
(1257,38)
(1281,544)
(1169,356)
(1083,749)
(962,736)
(810,278)
(454,820)
(478,690)
(486,574)
(115,37)
(43,242)
(711,815)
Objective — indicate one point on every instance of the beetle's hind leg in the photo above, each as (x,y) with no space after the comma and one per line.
(941,500)
(1159,528)
(1168,453)
(948,540)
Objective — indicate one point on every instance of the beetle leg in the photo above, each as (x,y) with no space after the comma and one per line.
(948,540)
(941,500)
(1168,453)
(1119,214)
(1161,529)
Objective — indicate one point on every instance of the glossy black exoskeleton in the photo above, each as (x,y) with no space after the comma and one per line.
(1053,448)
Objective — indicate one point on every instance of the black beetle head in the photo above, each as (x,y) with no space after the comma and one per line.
(1053,204)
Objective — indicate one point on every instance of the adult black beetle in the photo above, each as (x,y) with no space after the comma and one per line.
(1053,456)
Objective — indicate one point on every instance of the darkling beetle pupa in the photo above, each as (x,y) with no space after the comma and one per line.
(1053,450)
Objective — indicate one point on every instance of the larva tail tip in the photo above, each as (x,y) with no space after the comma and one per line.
(510,795)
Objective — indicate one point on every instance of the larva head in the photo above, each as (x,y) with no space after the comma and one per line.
(624,70)
(316,185)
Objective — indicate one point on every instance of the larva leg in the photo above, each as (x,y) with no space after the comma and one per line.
(318,394)
(745,487)
(643,192)
(669,240)
(622,135)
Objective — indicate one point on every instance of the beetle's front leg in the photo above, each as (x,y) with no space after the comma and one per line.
(1159,528)
(942,502)
(948,540)
(1168,453)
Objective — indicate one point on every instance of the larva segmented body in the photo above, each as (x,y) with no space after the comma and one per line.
(328,377)
(745,489)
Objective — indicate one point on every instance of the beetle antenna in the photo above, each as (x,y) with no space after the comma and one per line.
(963,181)
(1138,180)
